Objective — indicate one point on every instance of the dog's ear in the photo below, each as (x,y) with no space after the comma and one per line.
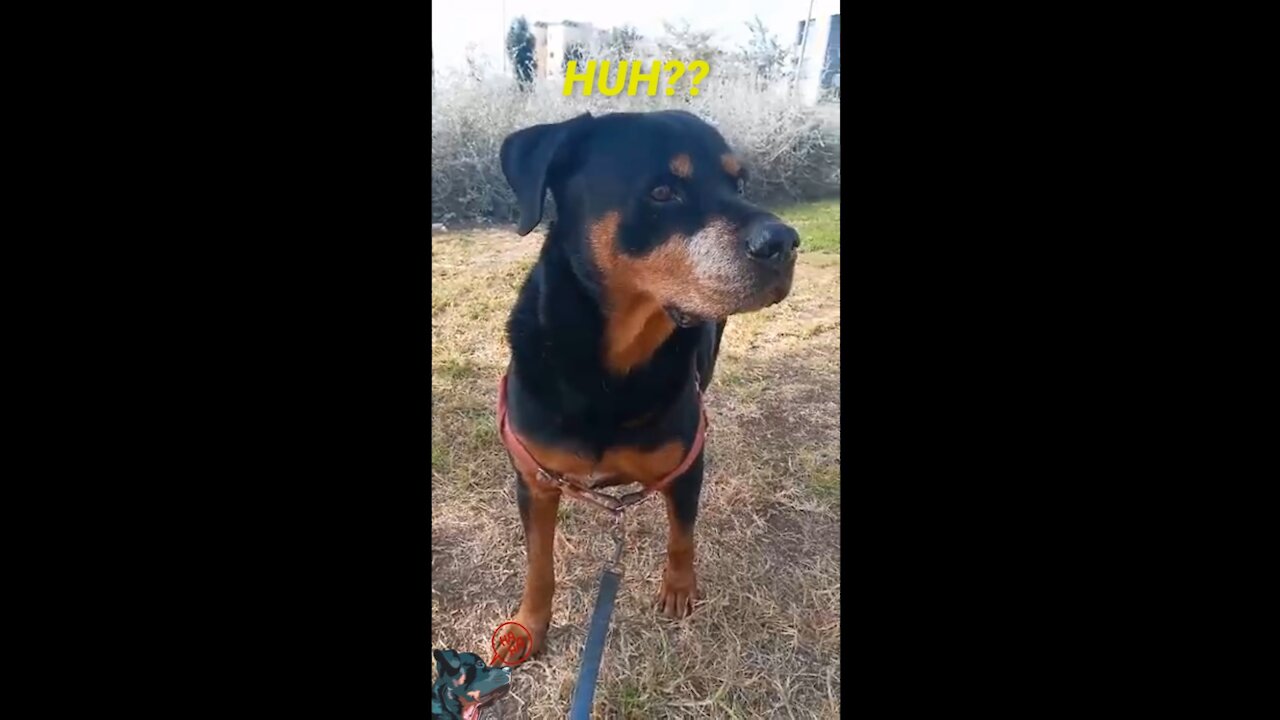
(444,664)
(529,159)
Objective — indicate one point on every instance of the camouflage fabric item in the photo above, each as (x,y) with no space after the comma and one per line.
(463,684)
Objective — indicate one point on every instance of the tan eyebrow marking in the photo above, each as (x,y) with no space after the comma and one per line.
(682,166)
(730,164)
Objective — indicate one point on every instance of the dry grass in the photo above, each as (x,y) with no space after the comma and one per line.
(765,642)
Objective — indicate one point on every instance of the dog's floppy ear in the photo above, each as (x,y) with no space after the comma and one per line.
(445,665)
(528,159)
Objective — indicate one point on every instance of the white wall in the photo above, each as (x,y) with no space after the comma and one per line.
(559,39)
(814,54)
(809,80)
(555,51)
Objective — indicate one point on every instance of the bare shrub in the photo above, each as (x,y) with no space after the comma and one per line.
(792,154)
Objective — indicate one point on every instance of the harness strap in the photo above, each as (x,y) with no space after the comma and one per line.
(524,459)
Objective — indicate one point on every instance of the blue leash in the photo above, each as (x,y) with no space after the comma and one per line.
(593,651)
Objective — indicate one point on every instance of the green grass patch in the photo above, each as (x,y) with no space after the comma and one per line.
(484,433)
(817,222)
(827,483)
(635,703)
(439,456)
(455,368)
(823,477)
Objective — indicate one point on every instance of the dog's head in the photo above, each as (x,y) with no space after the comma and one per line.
(656,210)
(465,677)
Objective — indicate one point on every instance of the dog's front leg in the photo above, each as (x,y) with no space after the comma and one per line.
(679,588)
(538,506)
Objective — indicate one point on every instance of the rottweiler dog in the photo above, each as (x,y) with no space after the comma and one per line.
(617,327)
(463,683)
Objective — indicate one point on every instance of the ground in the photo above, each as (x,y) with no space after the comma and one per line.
(765,643)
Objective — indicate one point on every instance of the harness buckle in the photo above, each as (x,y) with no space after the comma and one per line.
(630,499)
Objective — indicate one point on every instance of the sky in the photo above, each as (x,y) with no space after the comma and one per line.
(456,24)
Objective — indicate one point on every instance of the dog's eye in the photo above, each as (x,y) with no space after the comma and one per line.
(662,193)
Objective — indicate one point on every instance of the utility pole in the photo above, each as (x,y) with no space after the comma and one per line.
(804,40)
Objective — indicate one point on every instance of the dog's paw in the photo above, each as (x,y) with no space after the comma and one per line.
(515,645)
(678,594)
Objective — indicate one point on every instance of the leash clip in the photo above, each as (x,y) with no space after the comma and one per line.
(619,541)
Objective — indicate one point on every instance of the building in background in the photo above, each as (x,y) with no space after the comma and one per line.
(818,76)
(553,41)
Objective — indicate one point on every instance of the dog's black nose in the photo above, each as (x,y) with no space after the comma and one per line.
(772,241)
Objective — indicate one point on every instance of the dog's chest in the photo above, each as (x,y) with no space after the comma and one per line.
(616,466)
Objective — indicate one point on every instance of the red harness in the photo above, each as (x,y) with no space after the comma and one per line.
(524,460)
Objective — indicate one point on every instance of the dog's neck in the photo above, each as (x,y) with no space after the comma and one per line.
(580,353)
(635,326)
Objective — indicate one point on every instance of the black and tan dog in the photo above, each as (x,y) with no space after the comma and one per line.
(463,683)
(617,327)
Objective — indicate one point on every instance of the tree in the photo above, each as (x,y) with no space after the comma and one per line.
(573,52)
(520,47)
(613,46)
(682,42)
(766,57)
(685,44)
(477,68)
(622,43)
